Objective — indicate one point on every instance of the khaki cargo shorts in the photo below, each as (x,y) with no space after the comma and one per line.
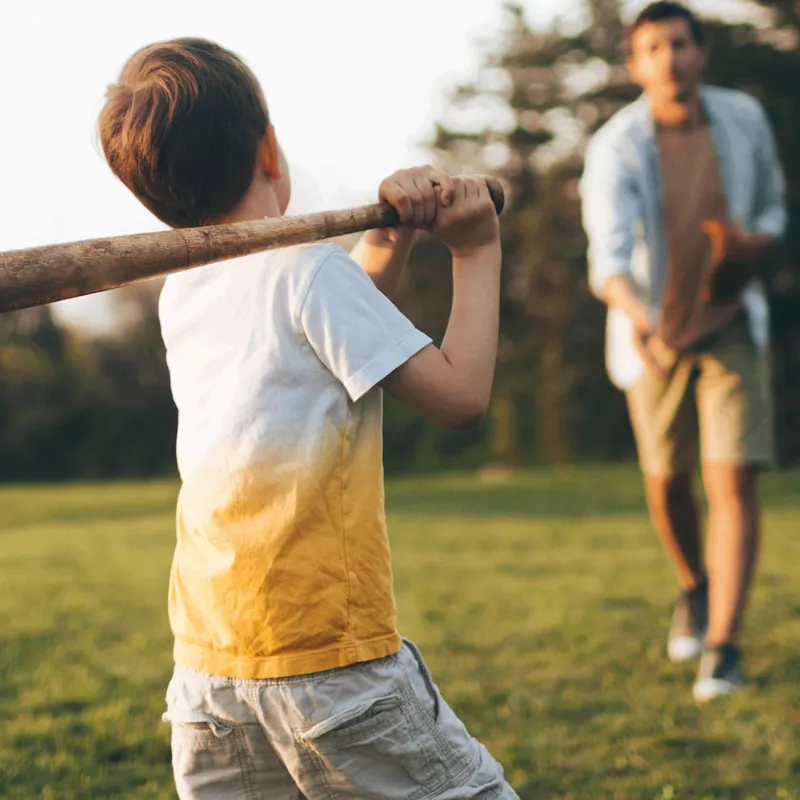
(379,729)
(718,395)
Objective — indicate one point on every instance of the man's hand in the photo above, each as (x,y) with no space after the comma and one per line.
(413,194)
(656,355)
(620,292)
(735,255)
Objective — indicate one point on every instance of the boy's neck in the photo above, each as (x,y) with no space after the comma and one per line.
(259,202)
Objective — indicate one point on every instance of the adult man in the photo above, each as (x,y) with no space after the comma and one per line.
(682,200)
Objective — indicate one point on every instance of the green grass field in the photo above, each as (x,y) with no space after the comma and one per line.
(541,604)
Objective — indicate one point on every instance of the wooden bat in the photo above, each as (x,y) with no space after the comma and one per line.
(40,275)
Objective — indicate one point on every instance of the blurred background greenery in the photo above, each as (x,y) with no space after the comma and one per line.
(75,404)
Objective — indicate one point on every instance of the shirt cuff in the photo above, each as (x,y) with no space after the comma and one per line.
(771,223)
(359,384)
(601,274)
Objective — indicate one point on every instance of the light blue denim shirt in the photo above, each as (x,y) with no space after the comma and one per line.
(622,208)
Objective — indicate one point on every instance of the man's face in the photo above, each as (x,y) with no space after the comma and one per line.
(666,61)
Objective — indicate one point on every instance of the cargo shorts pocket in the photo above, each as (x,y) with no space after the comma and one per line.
(200,731)
(381,747)
(209,752)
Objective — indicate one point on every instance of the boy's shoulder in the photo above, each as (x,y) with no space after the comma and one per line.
(286,283)
(306,260)
(287,270)
(297,265)
(291,273)
(307,256)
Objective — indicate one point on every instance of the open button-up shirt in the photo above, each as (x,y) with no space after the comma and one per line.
(621,191)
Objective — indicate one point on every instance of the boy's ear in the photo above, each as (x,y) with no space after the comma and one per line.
(269,154)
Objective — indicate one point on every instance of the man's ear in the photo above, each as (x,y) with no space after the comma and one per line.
(269,155)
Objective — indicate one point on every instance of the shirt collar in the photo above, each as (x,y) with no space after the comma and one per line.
(705,101)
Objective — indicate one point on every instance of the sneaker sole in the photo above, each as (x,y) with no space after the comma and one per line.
(709,688)
(684,648)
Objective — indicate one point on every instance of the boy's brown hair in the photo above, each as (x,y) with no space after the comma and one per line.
(181,129)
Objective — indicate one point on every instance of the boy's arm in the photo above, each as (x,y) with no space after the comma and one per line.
(383,254)
(451,385)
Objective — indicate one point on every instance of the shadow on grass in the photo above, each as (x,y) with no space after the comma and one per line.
(697,747)
(574,492)
(535,498)
(63,732)
(571,491)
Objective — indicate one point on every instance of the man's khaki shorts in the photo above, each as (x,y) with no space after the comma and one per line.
(722,390)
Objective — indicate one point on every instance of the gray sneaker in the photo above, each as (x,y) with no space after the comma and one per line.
(689,624)
(719,674)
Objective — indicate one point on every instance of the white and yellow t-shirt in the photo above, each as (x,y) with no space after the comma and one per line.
(282,561)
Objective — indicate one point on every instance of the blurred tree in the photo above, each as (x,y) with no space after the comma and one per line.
(136,420)
(526,118)
(765,61)
(72,407)
(785,16)
(101,408)
(38,387)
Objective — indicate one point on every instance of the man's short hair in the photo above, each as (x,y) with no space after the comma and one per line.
(664,10)
(181,129)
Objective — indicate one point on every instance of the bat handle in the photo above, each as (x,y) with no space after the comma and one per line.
(497,193)
(390,219)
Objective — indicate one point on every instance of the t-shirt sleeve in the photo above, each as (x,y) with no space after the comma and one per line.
(354,329)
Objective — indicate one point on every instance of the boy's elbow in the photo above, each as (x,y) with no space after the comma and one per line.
(467,414)
(468,423)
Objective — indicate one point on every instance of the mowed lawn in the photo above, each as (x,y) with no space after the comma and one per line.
(541,604)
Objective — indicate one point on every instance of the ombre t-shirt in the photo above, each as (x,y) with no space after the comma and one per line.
(282,563)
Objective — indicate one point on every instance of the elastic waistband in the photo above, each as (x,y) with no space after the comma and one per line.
(311,677)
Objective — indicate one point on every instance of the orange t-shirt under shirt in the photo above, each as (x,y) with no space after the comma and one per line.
(692,192)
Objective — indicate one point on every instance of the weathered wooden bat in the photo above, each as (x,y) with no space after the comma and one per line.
(40,275)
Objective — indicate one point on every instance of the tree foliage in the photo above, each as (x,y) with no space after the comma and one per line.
(527,117)
(72,406)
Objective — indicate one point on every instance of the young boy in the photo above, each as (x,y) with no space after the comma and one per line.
(291,679)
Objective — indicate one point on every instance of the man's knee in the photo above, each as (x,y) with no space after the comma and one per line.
(730,482)
(666,492)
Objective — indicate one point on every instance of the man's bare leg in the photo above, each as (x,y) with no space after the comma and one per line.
(733,541)
(675,515)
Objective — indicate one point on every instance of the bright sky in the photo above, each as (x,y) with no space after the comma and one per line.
(353,86)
